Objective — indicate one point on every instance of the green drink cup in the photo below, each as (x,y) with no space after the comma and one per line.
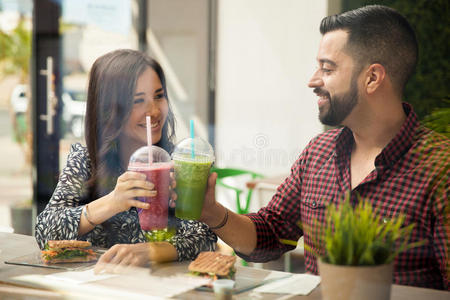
(191,174)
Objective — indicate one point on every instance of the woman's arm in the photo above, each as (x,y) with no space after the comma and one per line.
(129,186)
(61,217)
(193,237)
(65,218)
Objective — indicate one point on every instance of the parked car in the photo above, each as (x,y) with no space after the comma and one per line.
(74,107)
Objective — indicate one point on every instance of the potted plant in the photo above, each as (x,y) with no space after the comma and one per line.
(22,217)
(359,248)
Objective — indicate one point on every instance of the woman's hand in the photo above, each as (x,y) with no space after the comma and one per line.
(121,256)
(129,186)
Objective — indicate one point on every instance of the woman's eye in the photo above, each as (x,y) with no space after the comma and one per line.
(159,96)
(325,70)
(140,100)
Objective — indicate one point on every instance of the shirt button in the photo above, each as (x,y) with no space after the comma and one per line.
(314,204)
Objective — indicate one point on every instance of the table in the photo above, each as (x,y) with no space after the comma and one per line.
(13,245)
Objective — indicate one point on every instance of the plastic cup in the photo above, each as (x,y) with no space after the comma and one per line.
(223,289)
(158,172)
(192,159)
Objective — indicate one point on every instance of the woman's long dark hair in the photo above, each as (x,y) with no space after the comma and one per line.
(112,84)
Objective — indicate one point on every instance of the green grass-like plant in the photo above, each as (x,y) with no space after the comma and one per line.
(358,237)
(160,235)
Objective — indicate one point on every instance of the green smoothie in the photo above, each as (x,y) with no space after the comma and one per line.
(191,175)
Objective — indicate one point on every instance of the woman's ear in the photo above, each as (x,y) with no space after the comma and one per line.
(375,76)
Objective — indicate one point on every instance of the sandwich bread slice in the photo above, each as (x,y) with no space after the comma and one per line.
(213,265)
(67,251)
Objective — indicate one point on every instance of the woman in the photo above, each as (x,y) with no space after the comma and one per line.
(95,196)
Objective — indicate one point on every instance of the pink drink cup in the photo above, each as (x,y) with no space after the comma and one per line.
(154,217)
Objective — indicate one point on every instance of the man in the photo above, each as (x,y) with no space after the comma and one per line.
(381,153)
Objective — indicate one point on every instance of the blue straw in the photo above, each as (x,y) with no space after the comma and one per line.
(192,138)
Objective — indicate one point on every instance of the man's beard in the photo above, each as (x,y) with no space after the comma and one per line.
(339,106)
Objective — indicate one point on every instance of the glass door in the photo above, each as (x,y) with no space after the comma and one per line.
(88,30)
(46,90)
(55,44)
(75,33)
(68,36)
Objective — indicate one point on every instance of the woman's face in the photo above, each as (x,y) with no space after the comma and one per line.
(149,99)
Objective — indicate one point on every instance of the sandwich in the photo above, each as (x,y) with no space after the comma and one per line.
(213,265)
(67,251)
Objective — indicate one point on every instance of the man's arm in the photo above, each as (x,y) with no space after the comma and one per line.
(239,231)
(441,234)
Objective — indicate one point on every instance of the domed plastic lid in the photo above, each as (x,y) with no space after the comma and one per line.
(141,155)
(196,149)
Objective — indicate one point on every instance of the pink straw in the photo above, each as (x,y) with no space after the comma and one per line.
(149,140)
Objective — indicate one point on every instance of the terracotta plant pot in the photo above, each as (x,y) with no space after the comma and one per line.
(355,282)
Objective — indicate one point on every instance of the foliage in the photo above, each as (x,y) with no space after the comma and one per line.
(439,120)
(5,45)
(160,235)
(15,56)
(358,237)
(15,51)
(428,89)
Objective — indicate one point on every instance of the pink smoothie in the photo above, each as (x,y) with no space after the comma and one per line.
(156,216)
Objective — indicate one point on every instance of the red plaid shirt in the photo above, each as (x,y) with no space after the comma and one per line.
(411,177)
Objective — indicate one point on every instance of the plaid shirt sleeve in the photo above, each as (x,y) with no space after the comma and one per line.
(277,224)
(441,233)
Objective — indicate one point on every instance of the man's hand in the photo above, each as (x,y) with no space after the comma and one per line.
(213,214)
(212,211)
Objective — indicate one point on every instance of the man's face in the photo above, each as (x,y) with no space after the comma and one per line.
(335,81)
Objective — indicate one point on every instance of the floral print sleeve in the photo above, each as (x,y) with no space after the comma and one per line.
(61,217)
(193,237)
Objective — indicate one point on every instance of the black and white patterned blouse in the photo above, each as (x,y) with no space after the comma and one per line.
(61,217)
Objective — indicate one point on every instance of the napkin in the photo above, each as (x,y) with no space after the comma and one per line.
(139,285)
(297,284)
(78,277)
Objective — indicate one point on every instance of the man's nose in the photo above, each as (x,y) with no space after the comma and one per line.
(315,80)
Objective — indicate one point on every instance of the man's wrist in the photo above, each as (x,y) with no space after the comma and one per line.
(222,223)
(214,215)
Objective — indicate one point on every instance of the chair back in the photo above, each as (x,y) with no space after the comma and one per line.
(232,172)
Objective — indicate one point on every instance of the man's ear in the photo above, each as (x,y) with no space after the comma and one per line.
(375,76)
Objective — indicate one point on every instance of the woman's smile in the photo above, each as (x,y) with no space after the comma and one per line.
(155,126)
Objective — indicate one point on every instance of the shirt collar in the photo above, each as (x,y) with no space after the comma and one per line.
(394,149)
(344,143)
(402,141)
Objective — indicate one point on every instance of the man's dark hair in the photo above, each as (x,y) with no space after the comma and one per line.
(378,34)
